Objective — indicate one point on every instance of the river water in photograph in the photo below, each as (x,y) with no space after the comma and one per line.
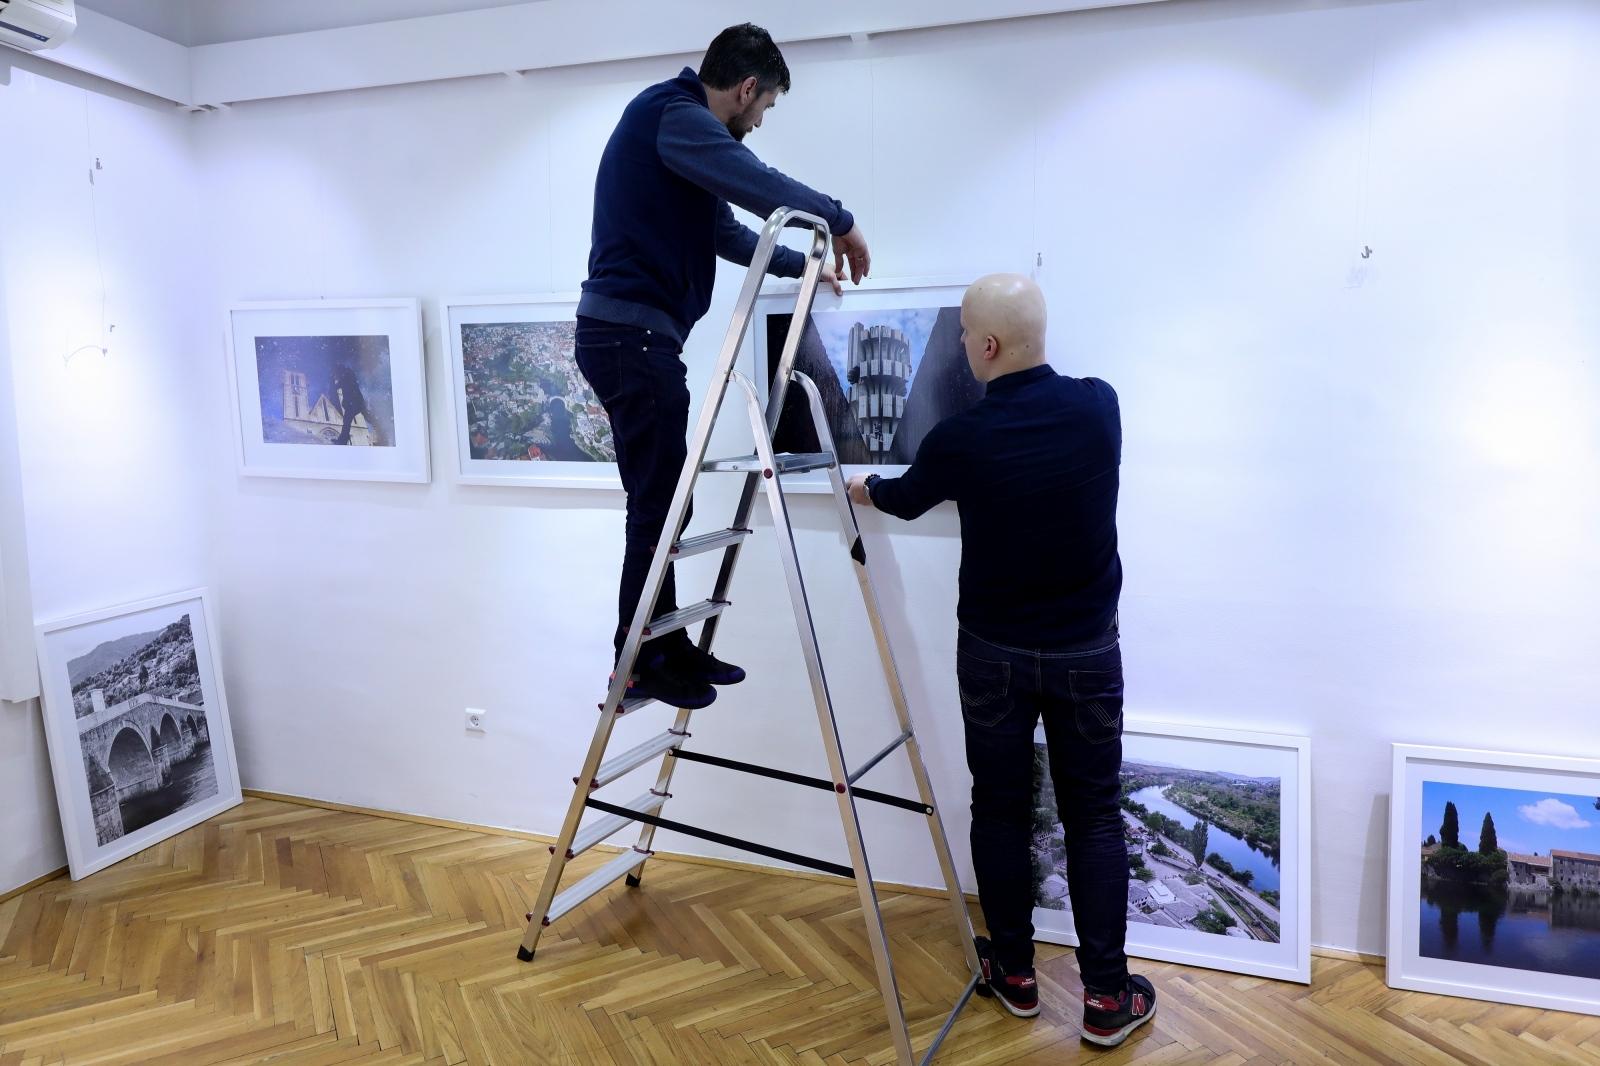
(192,779)
(1241,855)
(1522,930)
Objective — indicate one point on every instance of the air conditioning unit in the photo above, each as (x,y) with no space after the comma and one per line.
(34,25)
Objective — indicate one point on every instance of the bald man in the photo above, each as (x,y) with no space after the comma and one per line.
(1033,471)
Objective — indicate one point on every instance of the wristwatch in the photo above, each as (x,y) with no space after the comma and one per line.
(872,479)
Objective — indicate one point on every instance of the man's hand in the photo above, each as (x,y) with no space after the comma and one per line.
(858,491)
(852,246)
(830,277)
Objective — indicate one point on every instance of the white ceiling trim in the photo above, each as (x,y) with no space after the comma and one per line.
(530,36)
(124,54)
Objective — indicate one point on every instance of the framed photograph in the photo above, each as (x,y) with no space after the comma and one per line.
(137,725)
(888,361)
(524,415)
(330,389)
(1217,823)
(1494,877)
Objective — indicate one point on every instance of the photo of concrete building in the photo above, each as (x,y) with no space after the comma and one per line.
(886,377)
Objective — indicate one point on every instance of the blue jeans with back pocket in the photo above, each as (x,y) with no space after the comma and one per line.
(1076,693)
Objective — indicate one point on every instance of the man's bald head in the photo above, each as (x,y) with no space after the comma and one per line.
(1003,323)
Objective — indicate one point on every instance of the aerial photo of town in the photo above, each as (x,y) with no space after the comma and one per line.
(1203,848)
(526,399)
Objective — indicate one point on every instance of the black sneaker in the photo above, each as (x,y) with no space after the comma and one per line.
(1017,992)
(1108,1019)
(659,680)
(688,659)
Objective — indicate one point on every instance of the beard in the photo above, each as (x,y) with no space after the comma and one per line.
(737,128)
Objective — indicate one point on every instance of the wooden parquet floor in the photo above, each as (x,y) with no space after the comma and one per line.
(286,934)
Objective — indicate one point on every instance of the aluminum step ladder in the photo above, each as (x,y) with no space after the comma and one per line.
(763,469)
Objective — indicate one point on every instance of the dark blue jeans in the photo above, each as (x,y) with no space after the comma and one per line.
(1077,693)
(642,383)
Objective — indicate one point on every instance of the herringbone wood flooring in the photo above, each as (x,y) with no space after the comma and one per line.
(279,933)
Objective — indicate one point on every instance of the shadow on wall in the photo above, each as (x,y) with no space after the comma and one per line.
(1372,894)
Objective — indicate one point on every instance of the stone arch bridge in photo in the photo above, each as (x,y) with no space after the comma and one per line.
(129,749)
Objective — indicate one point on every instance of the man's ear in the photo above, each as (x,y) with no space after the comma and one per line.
(748,89)
(991,347)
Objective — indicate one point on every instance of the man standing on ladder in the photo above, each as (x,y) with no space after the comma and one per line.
(661,218)
(1033,469)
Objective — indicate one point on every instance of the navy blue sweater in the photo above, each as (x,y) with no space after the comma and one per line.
(1033,468)
(661,214)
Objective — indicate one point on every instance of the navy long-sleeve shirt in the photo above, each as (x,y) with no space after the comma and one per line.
(1033,469)
(661,214)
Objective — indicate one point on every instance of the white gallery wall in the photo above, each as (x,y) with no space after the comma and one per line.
(1360,494)
(118,454)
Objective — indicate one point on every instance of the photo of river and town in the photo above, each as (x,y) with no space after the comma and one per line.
(1202,823)
(1510,878)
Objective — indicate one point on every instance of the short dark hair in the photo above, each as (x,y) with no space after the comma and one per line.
(744,51)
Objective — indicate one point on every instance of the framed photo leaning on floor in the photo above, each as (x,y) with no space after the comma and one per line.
(1494,877)
(137,724)
(1217,824)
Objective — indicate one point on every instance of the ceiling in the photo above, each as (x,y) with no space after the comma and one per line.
(196,22)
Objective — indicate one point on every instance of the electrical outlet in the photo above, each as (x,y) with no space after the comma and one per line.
(477,720)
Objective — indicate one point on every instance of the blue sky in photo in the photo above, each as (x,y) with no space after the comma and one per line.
(834,329)
(1525,822)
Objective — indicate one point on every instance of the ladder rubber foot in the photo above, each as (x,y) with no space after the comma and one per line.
(524,954)
(632,881)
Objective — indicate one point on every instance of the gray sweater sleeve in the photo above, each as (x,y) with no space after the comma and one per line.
(737,244)
(698,148)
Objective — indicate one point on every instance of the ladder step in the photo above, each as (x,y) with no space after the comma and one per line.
(634,758)
(682,618)
(709,542)
(595,883)
(788,463)
(591,835)
(629,706)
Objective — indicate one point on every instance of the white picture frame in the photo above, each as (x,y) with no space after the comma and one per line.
(1235,753)
(1458,935)
(156,730)
(880,299)
(458,315)
(282,359)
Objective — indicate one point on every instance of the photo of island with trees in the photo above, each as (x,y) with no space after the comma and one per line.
(1510,878)
(1203,841)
